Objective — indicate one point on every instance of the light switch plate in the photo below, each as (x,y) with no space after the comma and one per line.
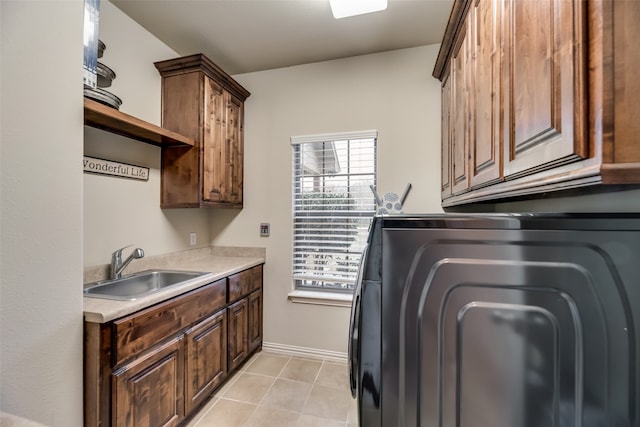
(265,229)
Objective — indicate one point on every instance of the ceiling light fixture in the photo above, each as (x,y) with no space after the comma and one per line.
(345,8)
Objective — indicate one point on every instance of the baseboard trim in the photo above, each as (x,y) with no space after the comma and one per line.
(315,353)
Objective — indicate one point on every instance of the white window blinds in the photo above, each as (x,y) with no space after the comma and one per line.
(332,207)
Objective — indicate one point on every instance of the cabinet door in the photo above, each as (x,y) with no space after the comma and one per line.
(213,163)
(484,144)
(234,150)
(206,358)
(238,346)
(460,110)
(149,391)
(544,75)
(255,320)
(623,141)
(446,140)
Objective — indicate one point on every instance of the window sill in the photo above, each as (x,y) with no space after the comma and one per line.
(321,298)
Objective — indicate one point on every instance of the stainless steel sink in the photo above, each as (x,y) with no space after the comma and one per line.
(140,284)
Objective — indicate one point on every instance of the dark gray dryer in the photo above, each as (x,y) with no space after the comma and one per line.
(498,321)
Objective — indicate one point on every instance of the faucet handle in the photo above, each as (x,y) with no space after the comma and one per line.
(116,260)
(118,252)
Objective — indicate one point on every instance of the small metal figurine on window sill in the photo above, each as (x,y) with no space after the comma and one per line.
(390,204)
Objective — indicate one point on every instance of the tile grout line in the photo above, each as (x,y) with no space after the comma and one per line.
(273,382)
(304,405)
(279,377)
(324,363)
(255,405)
(315,380)
(220,394)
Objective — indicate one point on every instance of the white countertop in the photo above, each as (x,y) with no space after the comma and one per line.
(101,310)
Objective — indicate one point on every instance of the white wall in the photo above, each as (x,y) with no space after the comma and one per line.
(391,92)
(44,241)
(41,211)
(118,211)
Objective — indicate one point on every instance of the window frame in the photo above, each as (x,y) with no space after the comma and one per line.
(322,294)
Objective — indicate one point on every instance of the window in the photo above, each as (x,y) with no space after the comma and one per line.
(332,207)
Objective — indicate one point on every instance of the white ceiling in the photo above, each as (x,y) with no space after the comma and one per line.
(244,36)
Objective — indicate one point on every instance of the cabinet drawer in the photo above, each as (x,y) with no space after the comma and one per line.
(245,282)
(139,331)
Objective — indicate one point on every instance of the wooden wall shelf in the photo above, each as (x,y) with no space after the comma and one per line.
(111,120)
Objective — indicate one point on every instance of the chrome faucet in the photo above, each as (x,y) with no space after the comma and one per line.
(116,261)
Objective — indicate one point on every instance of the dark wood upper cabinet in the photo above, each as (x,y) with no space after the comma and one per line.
(615,117)
(542,99)
(485,156)
(460,64)
(544,69)
(201,101)
(445,153)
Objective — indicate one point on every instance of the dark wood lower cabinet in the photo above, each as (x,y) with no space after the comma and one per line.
(206,358)
(157,366)
(254,303)
(245,315)
(238,333)
(150,390)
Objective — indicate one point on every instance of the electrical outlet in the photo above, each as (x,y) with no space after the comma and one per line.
(265,229)
(193,239)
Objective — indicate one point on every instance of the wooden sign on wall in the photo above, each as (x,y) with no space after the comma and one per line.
(108,167)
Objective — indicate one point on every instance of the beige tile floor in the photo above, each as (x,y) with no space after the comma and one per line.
(284,391)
